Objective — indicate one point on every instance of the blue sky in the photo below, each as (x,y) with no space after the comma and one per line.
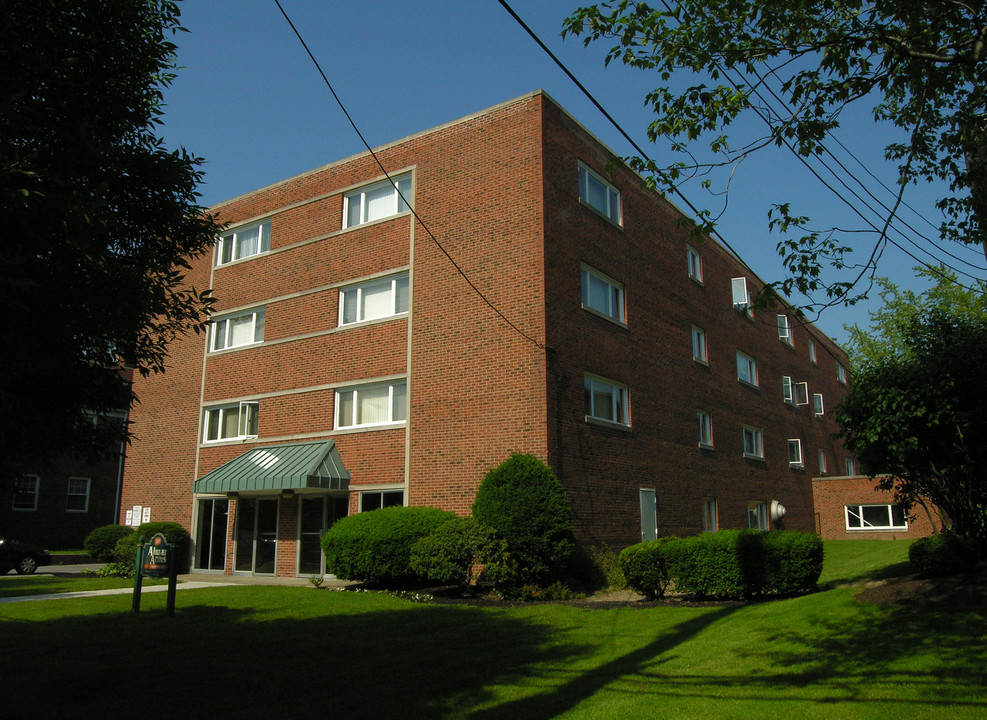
(251,103)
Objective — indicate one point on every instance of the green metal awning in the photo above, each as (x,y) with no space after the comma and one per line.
(296,466)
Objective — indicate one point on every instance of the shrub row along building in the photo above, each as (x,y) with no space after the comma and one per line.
(543,301)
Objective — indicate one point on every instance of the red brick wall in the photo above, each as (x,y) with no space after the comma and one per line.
(833,494)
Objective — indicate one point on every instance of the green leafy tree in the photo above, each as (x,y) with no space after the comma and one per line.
(797,65)
(99,220)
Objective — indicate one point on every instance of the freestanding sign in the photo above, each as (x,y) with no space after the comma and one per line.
(155,559)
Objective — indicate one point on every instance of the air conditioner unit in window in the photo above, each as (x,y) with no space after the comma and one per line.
(741,298)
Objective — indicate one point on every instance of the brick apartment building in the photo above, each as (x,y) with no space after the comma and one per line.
(351,365)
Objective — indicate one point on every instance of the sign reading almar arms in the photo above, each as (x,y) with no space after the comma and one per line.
(155,559)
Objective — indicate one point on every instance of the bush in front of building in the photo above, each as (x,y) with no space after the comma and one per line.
(101,542)
(452,554)
(177,536)
(375,546)
(525,504)
(645,567)
(792,561)
(944,554)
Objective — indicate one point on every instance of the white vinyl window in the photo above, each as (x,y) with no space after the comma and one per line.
(244,242)
(822,461)
(699,345)
(705,429)
(817,404)
(374,299)
(601,294)
(746,369)
(26,493)
(757,515)
(849,466)
(695,263)
(710,521)
(753,443)
(230,422)
(377,499)
(802,393)
(812,351)
(875,517)
(788,389)
(377,201)
(599,194)
(784,329)
(841,373)
(742,301)
(605,400)
(795,453)
(232,331)
(372,405)
(77,499)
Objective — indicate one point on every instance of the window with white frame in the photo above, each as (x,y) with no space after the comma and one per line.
(245,328)
(757,515)
(742,301)
(822,461)
(705,429)
(244,242)
(802,393)
(875,517)
(602,294)
(784,329)
(374,299)
(26,493)
(372,405)
(77,499)
(788,389)
(746,369)
(599,194)
(817,404)
(753,442)
(795,453)
(812,351)
(695,263)
(605,400)
(841,373)
(377,201)
(231,422)
(377,499)
(710,521)
(849,466)
(699,344)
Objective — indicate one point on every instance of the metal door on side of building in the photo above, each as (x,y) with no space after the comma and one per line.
(649,515)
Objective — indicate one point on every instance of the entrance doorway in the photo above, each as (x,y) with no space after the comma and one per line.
(315,516)
(256,535)
(212,520)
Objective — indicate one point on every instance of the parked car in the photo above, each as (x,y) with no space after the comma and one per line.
(22,557)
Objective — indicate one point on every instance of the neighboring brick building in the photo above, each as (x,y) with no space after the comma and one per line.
(852,508)
(352,365)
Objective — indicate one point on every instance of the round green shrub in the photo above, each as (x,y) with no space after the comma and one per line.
(792,561)
(449,554)
(102,541)
(645,568)
(525,504)
(125,550)
(943,554)
(376,546)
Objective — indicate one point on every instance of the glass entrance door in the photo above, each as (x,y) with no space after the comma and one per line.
(256,535)
(212,515)
(316,515)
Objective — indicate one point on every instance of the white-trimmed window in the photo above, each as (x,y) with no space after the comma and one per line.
(757,515)
(244,242)
(784,329)
(599,194)
(372,405)
(875,517)
(26,493)
(812,351)
(753,442)
(746,369)
(605,400)
(795,453)
(699,345)
(849,467)
(742,301)
(841,373)
(77,499)
(695,263)
(602,294)
(377,499)
(817,404)
(377,201)
(710,521)
(245,328)
(788,389)
(230,422)
(705,428)
(374,299)
(802,393)
(822,461)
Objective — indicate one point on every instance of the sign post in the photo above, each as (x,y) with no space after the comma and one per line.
(155,559)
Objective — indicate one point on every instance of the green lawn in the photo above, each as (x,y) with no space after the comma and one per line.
(285,652)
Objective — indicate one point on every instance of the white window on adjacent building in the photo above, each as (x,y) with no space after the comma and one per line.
(812,351)
(822,461)
(817,404)
(875,517)
(784,329)
(26,493)
(231,422)
(245,328)
(699,345)
(705,429)
(695,263)
(602,295)
(746,369)
(372,405)
(753,443)
(795,453)
(244,242)
(599,194)
(841,373)
(757,515)
(710,521)
(788,389)
(376,201)
(849,467)
(377,499)
(374,299)
(77,499)
(605,400)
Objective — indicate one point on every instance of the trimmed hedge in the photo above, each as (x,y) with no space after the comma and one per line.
(177,536)
(728,564)
(101,542)
(943,554)
(376,546)
(448,554)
